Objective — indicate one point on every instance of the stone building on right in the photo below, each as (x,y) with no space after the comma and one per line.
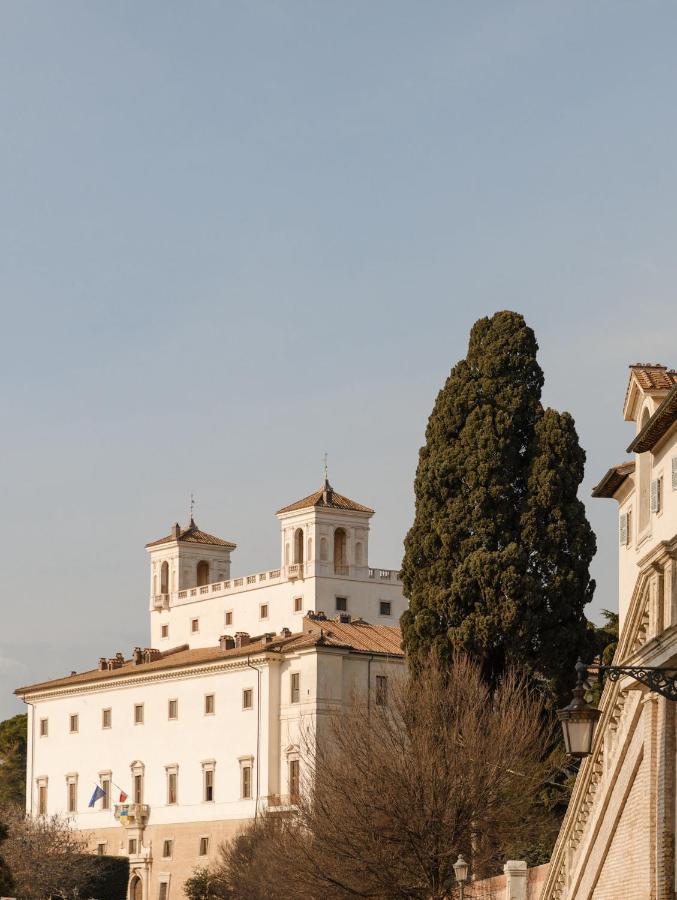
(617,840)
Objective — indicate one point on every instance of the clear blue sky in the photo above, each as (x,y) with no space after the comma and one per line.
(236,234)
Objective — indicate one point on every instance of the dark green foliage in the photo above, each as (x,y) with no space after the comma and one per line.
(107,877)
(497,560)
(6,880)
(13,760)
(606,637)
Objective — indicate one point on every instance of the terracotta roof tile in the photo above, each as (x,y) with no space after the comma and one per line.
(357,636)
(193,535)
(654,376)
(326,498)
(658,425)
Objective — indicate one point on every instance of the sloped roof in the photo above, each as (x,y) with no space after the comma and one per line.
(357,636)
(193,535)
(326,498)
(654,376)
(613,479)
(658,425)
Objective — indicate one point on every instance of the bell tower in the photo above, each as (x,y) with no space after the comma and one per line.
(186,558)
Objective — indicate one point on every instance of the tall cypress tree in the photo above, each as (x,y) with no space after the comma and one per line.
(497,560)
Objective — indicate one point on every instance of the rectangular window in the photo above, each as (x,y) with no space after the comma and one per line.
(163,892)
(209,704)
(172,778)
(194,626)
(209,785)
(341,604)
(42,798)
(384,608)
(295,692)
(173,709)
(263,611)
(131,847)
(167,849)
(164,631)
(294,770)
(74,723)
(44,727)
(204,846)
(101,848)
(138,789)
(138,714)
(381,690)
(246,786)
(72,798)
(656,491)
(298,604)
(105,787)
(247,698)
(229,617)
(106,718)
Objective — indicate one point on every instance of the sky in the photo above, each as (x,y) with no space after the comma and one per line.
(234,235)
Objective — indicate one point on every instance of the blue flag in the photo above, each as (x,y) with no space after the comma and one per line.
(97,795)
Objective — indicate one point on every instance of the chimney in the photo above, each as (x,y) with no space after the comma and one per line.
(343,618)
(268,637)
(241,638)
(286,632)
(103,664)
(176,531)
(137,656)
(226,642)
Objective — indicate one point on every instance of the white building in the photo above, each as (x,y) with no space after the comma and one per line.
(202,730)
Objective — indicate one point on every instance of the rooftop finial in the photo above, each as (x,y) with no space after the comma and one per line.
(325,459)
(192,508)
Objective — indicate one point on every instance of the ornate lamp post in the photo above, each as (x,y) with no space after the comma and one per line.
(579,718)
(461,873)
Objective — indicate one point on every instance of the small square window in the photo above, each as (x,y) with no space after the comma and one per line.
(173,709)
(44,727)
(167,848)
(106,718)
(138,714)
(295,692)
(74,723)
(341,604)
(229,617)
(385,608)
(131,847)
(194,626)
(164,631)
(263,611)
(298,604)
(247,698)
(204,846)
(209,704)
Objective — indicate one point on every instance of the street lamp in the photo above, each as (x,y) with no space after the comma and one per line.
(578,718)
(461,872)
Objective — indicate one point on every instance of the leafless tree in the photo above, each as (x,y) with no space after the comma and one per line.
(45,855)
(393,791)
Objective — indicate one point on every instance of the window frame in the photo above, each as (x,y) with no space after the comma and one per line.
(44,732)
(207,698)
(72,793)
(203,842)
(228,618)
(247,693)
(42,784)
(262,615)
(295,687)
(297,605)
(167,843)
(175,717)
(106,778)
(109,710)
(138,720)
(73,717)
(389,604)
(341,603)
(209,780)
(246,781)
(172,785)
(164,631)
(195,625)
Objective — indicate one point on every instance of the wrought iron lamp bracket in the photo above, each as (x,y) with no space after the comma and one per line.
(658,681)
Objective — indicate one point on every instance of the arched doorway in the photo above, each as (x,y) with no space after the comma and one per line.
(135,888)
(202,573)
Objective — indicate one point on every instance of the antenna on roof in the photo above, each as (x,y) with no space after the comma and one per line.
(192,508)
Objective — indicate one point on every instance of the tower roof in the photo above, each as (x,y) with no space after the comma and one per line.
(326,498)
(191,535)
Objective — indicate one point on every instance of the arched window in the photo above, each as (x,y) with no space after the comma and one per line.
(644,480)
(164,578)
(298,545)
(340,553)
(310,549)
(324,549)
(202,572)
(358,553)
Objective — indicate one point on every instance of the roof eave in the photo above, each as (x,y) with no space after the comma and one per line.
(658,425)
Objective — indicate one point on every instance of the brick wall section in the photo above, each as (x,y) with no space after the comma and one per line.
(665,811)
(495,888)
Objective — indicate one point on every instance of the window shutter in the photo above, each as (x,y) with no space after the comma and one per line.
(655,495)
(674,473)
(623,531)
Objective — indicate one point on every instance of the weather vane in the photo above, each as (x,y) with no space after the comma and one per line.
(192,506)
(325,458)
